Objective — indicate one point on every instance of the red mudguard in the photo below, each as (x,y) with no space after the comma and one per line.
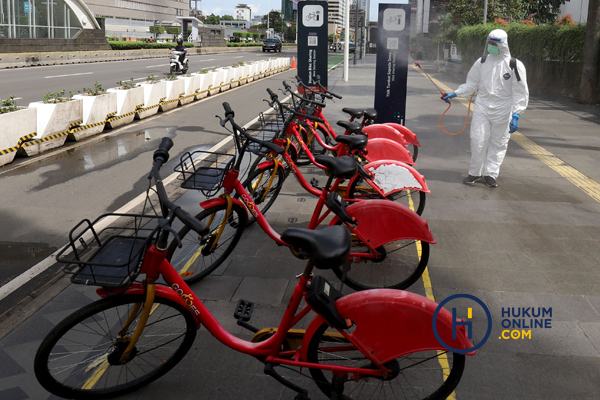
(409,135)
(383,221)
(392,323)
(384,131)
(386,149)
(405,177)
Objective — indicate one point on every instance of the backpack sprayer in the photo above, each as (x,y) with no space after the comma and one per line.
(449,104)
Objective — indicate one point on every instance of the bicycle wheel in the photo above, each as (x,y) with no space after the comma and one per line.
(80,357)
(399,265)
(313,144)
(262,189)
(426,375)
(413,199)
(414,152)
(199,255)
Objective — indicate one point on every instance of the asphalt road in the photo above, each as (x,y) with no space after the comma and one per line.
(43,197)
(32,83)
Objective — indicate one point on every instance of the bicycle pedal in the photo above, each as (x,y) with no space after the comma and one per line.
(243,310)
(314,182)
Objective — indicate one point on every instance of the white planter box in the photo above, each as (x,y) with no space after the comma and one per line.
(272,66)
(14,126)
(154,94)
(175,90)
(128,101)
(53,123)
(192,86)
(96,109)
(236,76)
(252,69)
(229,74)
(264,68)
(244,74)
(219,79)
(206,82)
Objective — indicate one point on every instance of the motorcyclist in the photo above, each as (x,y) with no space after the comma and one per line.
(502,95)
(183,52)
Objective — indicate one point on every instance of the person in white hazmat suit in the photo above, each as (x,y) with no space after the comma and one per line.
(502,95)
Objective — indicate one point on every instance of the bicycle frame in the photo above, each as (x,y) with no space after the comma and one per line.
(412,310)
(156,265)
(413,180)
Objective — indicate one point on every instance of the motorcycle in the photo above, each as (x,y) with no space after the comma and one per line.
(176,65)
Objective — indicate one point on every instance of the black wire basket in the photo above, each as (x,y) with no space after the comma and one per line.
(204,170)
(109,251)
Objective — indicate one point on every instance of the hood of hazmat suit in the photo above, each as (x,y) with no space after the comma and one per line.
(499,93)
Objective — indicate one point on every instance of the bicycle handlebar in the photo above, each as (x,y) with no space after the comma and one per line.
(323,91)
(229,115)
(161,156)
(314,102)
(318,79)
(275,98)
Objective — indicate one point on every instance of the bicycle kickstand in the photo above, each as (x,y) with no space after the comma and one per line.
(302,393)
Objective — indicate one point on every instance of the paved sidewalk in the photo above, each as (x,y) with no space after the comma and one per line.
(533,242)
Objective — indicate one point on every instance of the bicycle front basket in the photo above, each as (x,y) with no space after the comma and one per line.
(109,251)
(204,170)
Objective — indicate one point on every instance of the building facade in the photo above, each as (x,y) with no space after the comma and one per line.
(37,19)
(243,12)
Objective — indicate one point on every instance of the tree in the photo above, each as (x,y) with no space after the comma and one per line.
(212,19)
(588,89)
(469,12)
(275,21)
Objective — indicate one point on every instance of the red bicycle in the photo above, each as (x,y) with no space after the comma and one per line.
(379,178)
(370,344)
(390,241)
(405,140)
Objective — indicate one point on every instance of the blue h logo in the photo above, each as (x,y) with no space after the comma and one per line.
(456,322)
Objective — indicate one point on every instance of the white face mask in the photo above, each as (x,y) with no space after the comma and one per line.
(493,50)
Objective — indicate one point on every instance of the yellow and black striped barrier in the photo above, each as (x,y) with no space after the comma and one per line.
(52,137)
(139,110)
(22,139)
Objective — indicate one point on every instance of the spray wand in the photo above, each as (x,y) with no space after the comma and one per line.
(434,84)
(449,104)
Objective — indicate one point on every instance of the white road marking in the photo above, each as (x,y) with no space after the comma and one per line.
(62,76)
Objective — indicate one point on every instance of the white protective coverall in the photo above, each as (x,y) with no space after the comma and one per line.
(499,96)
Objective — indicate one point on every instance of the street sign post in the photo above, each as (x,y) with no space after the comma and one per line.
(312,42)
(392,62)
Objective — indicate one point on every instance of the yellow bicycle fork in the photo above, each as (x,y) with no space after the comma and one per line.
(146,310)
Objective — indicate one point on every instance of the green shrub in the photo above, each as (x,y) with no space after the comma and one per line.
(243,44)
(123,45)
(95,91)
(8,105)
(57,97)
(130,84)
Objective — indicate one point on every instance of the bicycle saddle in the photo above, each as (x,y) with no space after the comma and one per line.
(371,113)
(353,112)
(326,247)
(354,142)
(351,127)
(340,167)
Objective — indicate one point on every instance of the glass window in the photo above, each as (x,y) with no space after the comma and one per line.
(37,19)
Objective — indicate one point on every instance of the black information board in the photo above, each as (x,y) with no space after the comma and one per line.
(391,72)
(312,42)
